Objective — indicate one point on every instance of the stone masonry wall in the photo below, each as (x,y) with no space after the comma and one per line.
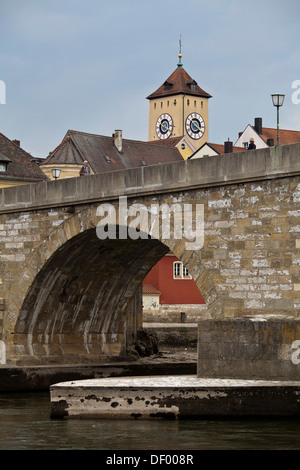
(249,348)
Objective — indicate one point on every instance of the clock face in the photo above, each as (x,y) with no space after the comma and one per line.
(164,126)
(195,126)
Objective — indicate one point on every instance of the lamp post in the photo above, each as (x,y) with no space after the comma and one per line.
(55,173)
(278,99)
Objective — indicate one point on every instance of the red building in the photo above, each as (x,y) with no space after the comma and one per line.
(173,281)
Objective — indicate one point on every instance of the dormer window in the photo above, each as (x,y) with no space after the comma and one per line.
(192,85)
(4,161)
(168,85)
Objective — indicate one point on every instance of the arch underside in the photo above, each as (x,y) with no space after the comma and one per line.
(85,302)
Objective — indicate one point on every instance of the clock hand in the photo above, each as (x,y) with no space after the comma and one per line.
(196,124)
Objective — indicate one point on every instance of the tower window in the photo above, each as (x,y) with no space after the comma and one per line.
(154,105)
(195,103)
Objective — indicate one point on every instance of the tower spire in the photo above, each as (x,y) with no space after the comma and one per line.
(179,65)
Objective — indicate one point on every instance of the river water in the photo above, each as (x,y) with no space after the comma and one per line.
(25,424)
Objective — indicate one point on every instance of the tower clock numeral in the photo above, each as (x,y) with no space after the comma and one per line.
(164,126)
(195,126)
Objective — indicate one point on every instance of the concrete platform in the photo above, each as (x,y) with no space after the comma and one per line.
(174,397)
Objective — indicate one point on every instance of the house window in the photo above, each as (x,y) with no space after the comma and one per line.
(177,270)
(245,145)
(180,271)
(3,167)
(185,272)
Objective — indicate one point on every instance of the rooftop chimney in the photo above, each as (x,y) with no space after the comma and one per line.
(228,146)
(118,140)
(258,125)
(16,142)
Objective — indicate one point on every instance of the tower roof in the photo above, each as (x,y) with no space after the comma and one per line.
(179,82)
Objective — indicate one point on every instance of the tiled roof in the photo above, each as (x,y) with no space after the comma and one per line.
(219,148)
(285,136)
(66,152)
(149,289)
(179,82)
(171,142)
(103,156)
(21,165)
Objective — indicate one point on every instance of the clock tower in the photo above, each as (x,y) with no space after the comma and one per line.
(179,108)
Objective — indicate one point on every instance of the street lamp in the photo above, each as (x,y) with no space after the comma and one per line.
(278,99)
(56,173)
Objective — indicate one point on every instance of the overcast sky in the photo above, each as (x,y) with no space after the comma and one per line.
(89,65)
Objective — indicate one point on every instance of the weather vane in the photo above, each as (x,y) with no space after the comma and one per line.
(179,55)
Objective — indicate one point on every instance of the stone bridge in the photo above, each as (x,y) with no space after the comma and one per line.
(68,296)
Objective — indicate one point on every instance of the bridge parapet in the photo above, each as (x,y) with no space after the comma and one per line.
(262,164)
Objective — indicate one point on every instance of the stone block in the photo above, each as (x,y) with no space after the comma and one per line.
(249,348)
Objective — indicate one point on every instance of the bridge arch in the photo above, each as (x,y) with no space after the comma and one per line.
(79,302)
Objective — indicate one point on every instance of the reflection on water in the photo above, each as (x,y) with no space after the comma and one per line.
(25,424)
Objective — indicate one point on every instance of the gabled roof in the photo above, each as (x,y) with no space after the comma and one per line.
(218,148)
(66,152)
(179,82)
(285,136)
(149,289)
(4,158)
(175,142)
(103,155)
(21,164)
(263,134)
